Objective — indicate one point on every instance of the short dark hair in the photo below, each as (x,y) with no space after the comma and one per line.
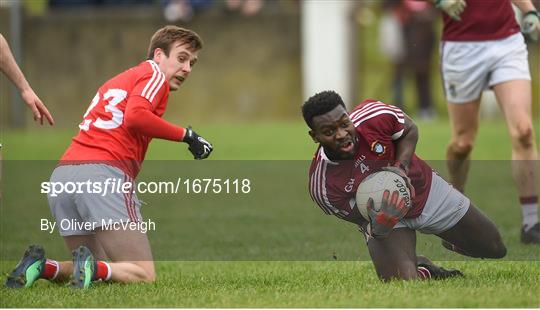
(166,36)
(319,104)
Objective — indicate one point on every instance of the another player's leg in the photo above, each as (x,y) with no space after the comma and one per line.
(33,266)
(464,123)
(475,235)
(514,98)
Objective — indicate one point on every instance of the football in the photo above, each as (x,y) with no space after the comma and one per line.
(374,186)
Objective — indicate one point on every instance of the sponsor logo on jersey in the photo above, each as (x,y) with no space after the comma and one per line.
(378,148)
(349,186)
(359,160)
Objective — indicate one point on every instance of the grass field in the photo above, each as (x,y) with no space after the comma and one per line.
(296,284)
(273,247)
(258,141)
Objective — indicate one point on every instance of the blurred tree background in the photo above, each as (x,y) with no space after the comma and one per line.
(249,69)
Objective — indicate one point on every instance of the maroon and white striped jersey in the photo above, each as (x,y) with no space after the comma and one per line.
(333,184)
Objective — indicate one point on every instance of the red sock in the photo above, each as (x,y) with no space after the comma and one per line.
(528,200)
(50,271)
(103,271)
(423,273)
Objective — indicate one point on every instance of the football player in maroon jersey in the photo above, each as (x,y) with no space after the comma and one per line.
(375,136)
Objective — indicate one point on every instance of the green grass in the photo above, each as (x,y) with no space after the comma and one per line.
(272,248)
(256,141)
(295,284)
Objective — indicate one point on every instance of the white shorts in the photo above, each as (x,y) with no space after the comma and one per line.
(81,208)
(468,68)
(444,208)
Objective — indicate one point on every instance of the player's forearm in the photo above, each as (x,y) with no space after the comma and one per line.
(139,118)
(10,68)
(524,5)
(406,145)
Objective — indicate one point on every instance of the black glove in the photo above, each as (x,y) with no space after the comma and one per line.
(198,146)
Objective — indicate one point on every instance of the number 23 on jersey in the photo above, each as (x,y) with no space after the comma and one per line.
(112,97)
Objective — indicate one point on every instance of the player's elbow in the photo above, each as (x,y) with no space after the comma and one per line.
(131,121)
(411,131)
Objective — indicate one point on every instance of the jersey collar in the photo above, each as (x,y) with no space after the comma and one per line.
(325,158)
(150,61)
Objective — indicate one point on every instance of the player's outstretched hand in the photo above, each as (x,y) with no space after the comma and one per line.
(453,8)
(383,221)
(198,146)
(403,174)
(38,108)
(530,24)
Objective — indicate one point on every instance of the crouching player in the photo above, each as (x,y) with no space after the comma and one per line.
(123,117)
(354,145)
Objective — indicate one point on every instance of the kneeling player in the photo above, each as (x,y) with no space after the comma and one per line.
(123,117)
(374,135)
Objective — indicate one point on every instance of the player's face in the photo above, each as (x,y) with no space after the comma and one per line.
(336,133)
(177,65)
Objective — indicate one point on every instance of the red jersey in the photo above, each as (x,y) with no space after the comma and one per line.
(333,184)
(482,20)
(104,136)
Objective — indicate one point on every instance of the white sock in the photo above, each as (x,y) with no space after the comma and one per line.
(530,214)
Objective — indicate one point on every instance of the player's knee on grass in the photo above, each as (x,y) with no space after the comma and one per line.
(475,235)
(491,247)
(496,248)
(142,276)
(149,275)
(148,279)
(133,272)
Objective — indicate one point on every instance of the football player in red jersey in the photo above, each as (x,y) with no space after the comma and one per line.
(481,50)
(373,137)
(123,117)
